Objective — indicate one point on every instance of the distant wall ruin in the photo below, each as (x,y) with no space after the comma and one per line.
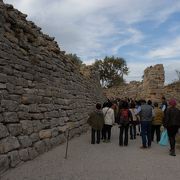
(42,94)
(152,87)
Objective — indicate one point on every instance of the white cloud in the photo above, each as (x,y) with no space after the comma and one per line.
(96,28)
(171,49)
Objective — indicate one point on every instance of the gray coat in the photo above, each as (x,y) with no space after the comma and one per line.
(146,113)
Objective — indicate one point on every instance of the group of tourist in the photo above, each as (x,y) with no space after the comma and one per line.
(135,118)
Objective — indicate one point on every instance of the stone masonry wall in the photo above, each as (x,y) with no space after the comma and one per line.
(42,94)
(153,83)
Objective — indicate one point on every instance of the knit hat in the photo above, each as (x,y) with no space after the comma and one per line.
(172,102)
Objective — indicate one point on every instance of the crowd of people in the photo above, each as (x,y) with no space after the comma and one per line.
(135,118)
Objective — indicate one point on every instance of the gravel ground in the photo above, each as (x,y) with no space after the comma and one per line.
(104,161)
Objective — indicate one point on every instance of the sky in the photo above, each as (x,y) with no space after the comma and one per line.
(143,32)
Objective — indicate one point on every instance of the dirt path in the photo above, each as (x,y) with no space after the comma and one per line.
(106,161)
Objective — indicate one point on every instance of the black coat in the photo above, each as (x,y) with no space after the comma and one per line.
(172,117)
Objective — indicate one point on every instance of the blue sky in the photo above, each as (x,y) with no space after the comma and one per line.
(143,32)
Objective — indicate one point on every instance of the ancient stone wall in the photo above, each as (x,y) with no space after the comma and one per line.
(42,94)
(152,87)
(153,83)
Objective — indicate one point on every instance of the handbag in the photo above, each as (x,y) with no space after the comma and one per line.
(164,141)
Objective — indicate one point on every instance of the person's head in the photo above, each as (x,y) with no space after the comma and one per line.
(98,106)
(163,99)
(143,101)
(155,104)
(149,102)
(132,105)
(172,102)
(125,105)
(109,104)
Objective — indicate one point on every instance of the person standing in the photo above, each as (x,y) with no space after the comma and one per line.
(134,121)
(164,104)
(146,113)
(96,121)
(172,123)
(109,120)
(125,117)
(156,122)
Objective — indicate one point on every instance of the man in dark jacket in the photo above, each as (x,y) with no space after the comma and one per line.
(172,123)
(96,121)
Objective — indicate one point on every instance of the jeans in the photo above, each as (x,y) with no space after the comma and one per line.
(157,129)
(146,133)
(93,132)
(123,131)
(133,131)
(107,130)
(172,131)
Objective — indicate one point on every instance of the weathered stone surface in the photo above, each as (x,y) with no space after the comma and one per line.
(23,154)
(10,117)
(34,137)
(25,141)
(14,158)
(32,153)
(3,131)
(8,144)
(14,129)
(45,134)
(54,132)
(9,105)
(40,89)
(27,126)
(57,140)
(40,147)
(37,126)
(47,144)
(1,118)
(4,163)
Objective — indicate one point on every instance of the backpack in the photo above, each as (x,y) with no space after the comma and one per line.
(124,116)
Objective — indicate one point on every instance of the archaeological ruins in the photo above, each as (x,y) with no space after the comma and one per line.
(43,94)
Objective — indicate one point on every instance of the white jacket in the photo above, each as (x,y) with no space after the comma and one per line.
(108,116)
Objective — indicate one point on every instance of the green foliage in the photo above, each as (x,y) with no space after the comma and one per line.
(111,70)
(75,59)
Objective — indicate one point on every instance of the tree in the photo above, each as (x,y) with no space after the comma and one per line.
(111,70)
(75,59)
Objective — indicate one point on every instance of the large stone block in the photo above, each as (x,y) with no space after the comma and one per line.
(9,105)
(45,134)
(14,129)
(10,117)
(14,158)
(4,163)
(40,147)
(24,155)
(8,144)
(55,132)
(3,131)
(37,125)
(34,137)
(3,78)
(52,114)
(27,126)
(25,141)
(32,153)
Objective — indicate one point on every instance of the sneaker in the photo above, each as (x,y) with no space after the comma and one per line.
(172,153)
